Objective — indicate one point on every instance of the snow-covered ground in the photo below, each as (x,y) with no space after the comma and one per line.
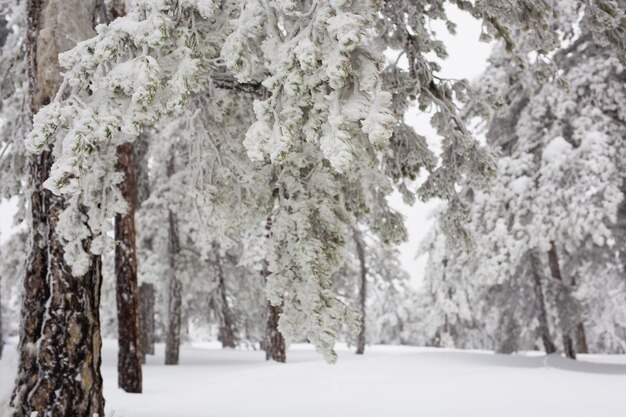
(388,381)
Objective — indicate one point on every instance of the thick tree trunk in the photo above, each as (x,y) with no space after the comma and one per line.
(555,271)
(146,319)
(69,381)
(59,349)
(129,337)
(360,251)
(226,323)
(274,343)
(172,344)
(544,328)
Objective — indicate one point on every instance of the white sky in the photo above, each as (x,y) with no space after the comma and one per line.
(467,59)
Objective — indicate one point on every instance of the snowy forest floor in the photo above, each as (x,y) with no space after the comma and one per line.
(388,381)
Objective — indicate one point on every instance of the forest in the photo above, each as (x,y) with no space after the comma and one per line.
(209,185)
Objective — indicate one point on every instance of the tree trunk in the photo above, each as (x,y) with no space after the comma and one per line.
(4,31)
(581,339)
(274,343)
(555,271)
(544,328)
(360,250)
(129,337)
(226,323)
(59,349)
(1,334)
(172,345)
(146,319)
(581,336)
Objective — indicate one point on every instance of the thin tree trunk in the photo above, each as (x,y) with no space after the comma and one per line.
(581,339)
(555,271)
(59,349)
(544,328)
(580,336)
(360,250)
(4,31)
(274,343)
(172,344)
(226,323)
(129,337)
(1,334)
(146,319)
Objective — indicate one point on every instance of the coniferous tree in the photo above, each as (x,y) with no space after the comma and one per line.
(327,121)
(534,236)
(60,316)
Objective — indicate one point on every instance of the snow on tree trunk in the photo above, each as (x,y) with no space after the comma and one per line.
(172,343)
(226,322)
(274,342)
(360,250)
(59,348)
(129,336)
(1,335)
(4,31)
(544,328)
(146,319)
(555,271)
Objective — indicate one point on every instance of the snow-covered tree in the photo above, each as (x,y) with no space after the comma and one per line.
(554,205)
(328,119)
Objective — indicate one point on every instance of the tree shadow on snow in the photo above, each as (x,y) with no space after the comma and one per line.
(555,361)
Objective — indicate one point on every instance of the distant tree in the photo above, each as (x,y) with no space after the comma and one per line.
(553,207)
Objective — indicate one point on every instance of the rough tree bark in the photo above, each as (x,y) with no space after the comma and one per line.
(274,343)
(59,349)
(226,323)
(146,319)
(129,336)
(360,251)
(172,343)
(555,271)
(544,328)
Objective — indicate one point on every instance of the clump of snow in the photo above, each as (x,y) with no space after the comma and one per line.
(556,150)
(521,184)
